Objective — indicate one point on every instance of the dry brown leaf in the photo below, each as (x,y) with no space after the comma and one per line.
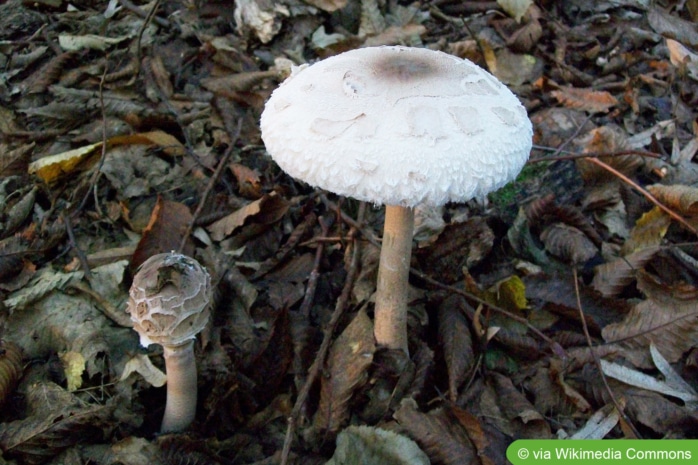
(683,199)
(668,318)
(268,209)
(589,100)
(515,407)
(456,342)
(459,245)
(526,37)
(45,433)
(165,231)
(611,278)
(557,371)
(238,82)
(568,243)
(346,370)
(475,432)
(649,231)
(11,369)
(397,35)
(548,395)
(671,25)
(328,5)
(438,434)
(249,183)
(643,407)
(167,142)
(48,74)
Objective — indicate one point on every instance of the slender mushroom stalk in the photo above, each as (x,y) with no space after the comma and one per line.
(168,303)
(390,327)
(397,126)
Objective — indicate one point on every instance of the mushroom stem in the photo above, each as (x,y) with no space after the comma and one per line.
(390,326)
(180,408)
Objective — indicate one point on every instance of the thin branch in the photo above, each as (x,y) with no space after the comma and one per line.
(211,183)
(645,193)
(319,361)
(574,155)
(597,362)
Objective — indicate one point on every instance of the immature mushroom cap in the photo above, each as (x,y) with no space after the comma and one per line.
(168,303)
(397,126)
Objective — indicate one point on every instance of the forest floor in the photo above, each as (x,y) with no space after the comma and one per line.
(564,305)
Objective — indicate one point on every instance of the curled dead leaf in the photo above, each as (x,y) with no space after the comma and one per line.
(683,199)
(593,101)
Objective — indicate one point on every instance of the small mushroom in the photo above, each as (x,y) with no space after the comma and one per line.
(168,303)
(397,126)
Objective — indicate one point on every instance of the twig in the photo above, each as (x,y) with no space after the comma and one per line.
(75,247)
(644,192)
(309,296)
(557,348)
(319,361)
(148,19)
(103,155)
(597,362)
(211,183)
(304,309)
(574,155)
(371,238)
(144,14)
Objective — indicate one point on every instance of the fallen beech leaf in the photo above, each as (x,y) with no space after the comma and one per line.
(328,5)
(168,222)
(346,369)
(642,380)
(682,57)
(366,445)
(437,433)
(568,243)
(249,183)
(611,278)
(456,342)
(69,42)
(649,231)
(170,145)
(684,199)
(668,318)
(141,364)
(599,424)
(266,210)
(515,8)
(589,100)
(53,167)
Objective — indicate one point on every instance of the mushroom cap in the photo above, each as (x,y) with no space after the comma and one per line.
(398,126)
(169,298)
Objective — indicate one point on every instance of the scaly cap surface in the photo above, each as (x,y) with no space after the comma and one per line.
(169,299)
(397,126)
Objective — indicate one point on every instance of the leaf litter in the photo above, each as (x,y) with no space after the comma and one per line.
(130,128)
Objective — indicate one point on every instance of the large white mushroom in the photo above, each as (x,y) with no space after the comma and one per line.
(397,126)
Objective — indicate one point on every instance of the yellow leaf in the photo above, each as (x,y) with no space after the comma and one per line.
(50,168)
(73,367)
(170,145)
(649,231)
(511,294)
(53,167)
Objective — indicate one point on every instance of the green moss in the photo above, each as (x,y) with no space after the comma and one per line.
(505,197)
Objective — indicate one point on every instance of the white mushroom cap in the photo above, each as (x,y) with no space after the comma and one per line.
(397,126)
